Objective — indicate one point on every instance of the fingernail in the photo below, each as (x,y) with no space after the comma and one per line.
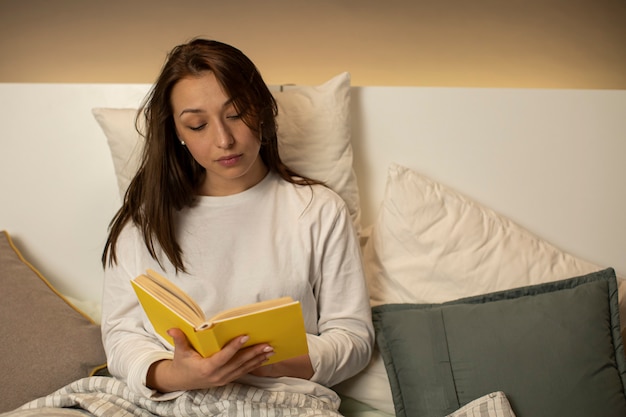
(268,349)
(244,339)
(269,355)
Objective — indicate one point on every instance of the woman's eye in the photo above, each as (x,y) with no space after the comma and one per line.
(233,116)
(199,127)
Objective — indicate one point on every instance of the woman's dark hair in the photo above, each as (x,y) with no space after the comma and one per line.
(168,176)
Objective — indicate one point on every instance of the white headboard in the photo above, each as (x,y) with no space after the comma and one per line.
(552,160)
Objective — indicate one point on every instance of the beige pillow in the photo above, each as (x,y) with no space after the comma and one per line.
(314,132)
(455,246)
(48,343)
(430,244)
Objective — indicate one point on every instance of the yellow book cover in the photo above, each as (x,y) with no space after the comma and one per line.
(278,322)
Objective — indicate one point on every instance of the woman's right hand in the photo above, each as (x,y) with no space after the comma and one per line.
(189,370)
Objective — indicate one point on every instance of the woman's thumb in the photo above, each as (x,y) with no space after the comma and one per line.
(180,340)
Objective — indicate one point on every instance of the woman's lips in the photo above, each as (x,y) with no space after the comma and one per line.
(229,160)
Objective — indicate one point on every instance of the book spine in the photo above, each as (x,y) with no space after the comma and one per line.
(205,342)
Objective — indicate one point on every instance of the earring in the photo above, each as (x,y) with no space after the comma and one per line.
(182,142)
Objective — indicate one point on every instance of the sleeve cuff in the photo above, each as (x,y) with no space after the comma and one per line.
(316,358)
(139,372)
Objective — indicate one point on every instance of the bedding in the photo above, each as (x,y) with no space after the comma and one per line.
(105,396)
(494,404)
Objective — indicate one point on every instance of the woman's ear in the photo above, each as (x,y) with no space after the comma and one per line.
(182,142)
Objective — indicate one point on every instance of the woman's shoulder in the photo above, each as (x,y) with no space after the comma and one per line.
(129,234)
(312,196)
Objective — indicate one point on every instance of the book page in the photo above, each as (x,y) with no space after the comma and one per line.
(251,308)
(171,294)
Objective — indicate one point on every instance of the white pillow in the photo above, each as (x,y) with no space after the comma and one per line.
(125,142)
(430,244)
(314,133)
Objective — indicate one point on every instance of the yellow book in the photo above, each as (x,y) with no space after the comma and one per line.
(278,322)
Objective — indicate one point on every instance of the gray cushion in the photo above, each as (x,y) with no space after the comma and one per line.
(554,349)
(47,343)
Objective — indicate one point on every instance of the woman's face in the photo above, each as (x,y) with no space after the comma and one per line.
(216,136)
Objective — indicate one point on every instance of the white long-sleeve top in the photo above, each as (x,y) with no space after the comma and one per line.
(275,239)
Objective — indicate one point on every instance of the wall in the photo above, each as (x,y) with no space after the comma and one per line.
(482,43)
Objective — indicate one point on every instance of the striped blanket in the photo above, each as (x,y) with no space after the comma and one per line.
(109,397)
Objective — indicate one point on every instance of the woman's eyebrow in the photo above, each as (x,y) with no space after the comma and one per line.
(191,110)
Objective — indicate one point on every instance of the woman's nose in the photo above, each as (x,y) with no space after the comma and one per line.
(223,137)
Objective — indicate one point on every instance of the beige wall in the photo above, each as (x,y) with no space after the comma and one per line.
(493,43)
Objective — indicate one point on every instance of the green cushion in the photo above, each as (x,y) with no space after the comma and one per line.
(554,349)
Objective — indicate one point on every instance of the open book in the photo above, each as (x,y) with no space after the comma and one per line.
(278,322)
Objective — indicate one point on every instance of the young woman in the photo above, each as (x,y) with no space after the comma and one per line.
(214,209)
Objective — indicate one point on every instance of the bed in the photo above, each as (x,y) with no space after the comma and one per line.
(491,223)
